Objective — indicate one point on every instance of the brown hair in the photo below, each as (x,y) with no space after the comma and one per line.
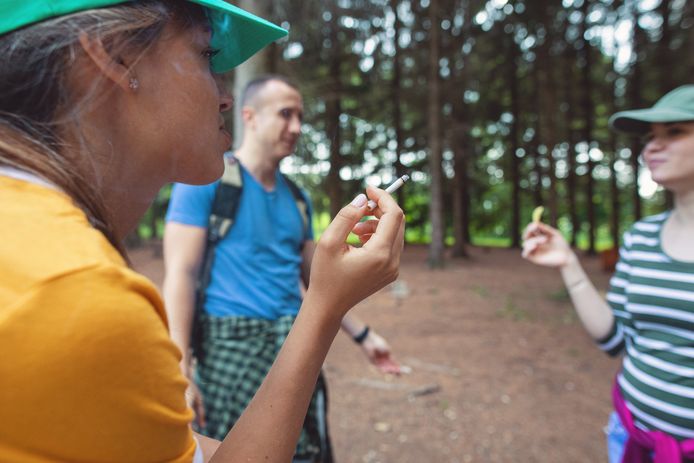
(35,102)
(254,87)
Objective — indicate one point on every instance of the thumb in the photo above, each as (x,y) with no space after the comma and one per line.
(344,222)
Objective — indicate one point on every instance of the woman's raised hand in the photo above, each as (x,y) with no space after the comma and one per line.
(343,275)
(544,245)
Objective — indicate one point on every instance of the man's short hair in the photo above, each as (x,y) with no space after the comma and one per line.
(256,85)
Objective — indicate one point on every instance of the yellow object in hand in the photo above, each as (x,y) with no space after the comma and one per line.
(537,214)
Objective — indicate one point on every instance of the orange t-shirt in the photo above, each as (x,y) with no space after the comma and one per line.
(87,370)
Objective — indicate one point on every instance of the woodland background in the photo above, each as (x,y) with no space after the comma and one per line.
(491,106)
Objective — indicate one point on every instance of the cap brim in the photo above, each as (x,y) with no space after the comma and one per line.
(236,33)
(639,121)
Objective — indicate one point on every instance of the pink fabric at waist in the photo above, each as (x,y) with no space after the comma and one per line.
(642,444)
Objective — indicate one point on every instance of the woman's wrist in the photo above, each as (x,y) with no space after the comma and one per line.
(572,273)
(571,260)
(319,306)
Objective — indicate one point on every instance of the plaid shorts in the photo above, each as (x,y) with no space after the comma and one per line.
(233,358)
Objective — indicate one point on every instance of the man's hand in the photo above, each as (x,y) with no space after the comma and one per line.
(194,401)
(378,351)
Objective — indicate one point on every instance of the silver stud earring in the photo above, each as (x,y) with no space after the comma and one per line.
(134,84)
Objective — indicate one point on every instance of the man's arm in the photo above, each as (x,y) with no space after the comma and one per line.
(374,346)
(184,246)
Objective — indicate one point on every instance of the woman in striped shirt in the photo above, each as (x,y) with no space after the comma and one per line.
(649,313)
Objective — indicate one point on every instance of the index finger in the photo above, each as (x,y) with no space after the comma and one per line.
(530,229)
(537,228)
(390,218)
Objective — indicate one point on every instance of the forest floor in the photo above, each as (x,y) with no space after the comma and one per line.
(501,369)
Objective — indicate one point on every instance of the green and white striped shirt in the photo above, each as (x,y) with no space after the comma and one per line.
(652,296)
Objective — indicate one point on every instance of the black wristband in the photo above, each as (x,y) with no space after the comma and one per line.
(359,338)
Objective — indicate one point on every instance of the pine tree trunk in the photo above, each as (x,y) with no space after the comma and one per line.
(534,145)
(664,61)
(614,188)
(460,182)
(634,97)
(396,92)
(588,114)
(614,194)
(571,179)
(460,193)
(434,133)
(257,65)
(333,109)
(547,110)
(572,182)
(513,84)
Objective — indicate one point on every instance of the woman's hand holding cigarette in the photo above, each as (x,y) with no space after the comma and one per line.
(343,275)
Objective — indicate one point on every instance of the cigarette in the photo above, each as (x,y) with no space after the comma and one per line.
(371,205)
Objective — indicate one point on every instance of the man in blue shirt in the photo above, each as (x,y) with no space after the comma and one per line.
(254,291)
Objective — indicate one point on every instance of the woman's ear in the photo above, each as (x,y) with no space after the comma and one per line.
(114,70)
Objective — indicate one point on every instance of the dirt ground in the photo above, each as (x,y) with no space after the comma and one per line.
(501,370)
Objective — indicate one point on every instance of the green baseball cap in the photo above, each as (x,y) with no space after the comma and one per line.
(675,106)
(237,33)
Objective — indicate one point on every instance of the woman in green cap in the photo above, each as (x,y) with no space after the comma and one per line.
(102,102)
(649,313)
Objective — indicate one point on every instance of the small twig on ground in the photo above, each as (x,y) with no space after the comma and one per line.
(425,390)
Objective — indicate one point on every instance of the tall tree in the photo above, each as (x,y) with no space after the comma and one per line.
(663,57)
(635,101)
(547,127)
(332,115)
(396,95)
(514,134)
(434,133)
(258,64)
(614,193)
(588,115)
(614,154)
(571,179)
(664,61)
(458,135)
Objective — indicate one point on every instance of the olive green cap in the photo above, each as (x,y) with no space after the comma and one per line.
(237,33)
(675,106)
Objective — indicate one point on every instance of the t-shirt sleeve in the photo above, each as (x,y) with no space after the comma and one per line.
(613,343)
(191,204)
(98,377)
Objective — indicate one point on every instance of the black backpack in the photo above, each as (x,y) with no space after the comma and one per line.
(224,207)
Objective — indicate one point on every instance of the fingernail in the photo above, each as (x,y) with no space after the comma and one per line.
(359,201)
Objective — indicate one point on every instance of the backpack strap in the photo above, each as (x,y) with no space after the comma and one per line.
(226,203)
(300,201)
(224,207)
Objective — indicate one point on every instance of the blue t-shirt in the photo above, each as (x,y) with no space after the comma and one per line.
(257,266)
